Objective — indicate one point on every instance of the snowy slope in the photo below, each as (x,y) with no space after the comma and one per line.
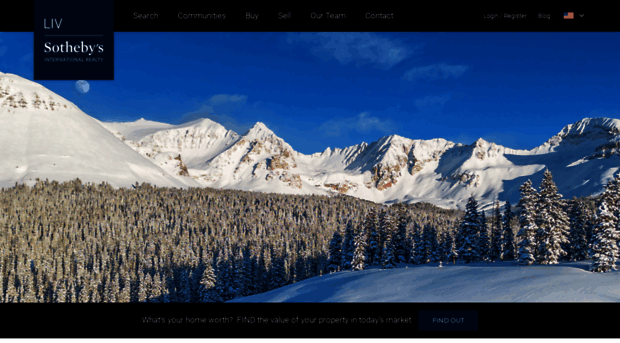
(44,136)
(475,282)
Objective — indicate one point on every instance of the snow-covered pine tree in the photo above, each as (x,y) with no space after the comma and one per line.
(554,227)
(578,241)
(613,202)
(265,268)
(249,263)
(367,228)
(278,273)
(509,251)
(458,236)
(613,196)
(604,244)
(589,217)
(388,252)
(240,275)
(483,218)
(527,224)
(224,275)
(347,246)
(453,253)
(335,252)
(382,233)
(424,245)
(208,282)
(496,233)
(469,228)
(401,237)
(566,206)
(371,227)
(414,239)
(359,256)
(390,227)
(444,246)
(433,247)
(484,241)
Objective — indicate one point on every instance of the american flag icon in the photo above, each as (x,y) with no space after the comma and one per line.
(569,15)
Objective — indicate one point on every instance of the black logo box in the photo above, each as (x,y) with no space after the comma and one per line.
(73,40)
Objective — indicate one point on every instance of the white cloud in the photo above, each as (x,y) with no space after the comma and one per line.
(351,47)
(435,72)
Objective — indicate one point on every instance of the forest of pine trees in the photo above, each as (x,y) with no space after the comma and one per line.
(74,242)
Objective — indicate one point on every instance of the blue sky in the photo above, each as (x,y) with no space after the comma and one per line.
(338,89)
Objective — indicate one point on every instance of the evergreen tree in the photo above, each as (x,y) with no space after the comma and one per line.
(554,224)
(444,246)
(359,256)
(424,246)
(224,275)
(142,290)
(389,229)
(207,282)
(401,238)
(613,199)
(470,226)
(604,245)
(484,241)
(335,252)
(388,252)
(496,234)
(453,254)
(612,195)
(371,227)
(509,251)
(415,256)
(2,284)
(579,244)
(240,274)
(484,245)
(527,223)
(433,245)
(381,230)
(278,278)
(157,290)
(589,225)
(183,286)
(348,246)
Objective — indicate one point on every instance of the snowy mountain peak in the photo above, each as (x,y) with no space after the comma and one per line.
(19,93)
(480,142)
(604,126)
(588,133)
(203,123)
(259,131)
(43,135)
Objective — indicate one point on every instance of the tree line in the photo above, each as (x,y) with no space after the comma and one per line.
(550,230)
(75,242)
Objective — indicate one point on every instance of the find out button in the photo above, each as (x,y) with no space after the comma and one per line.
(448,321)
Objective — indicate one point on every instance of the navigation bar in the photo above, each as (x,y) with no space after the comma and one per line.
(130,16)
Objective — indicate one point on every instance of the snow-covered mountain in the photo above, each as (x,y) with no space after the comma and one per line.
(45,136)
(582,157)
